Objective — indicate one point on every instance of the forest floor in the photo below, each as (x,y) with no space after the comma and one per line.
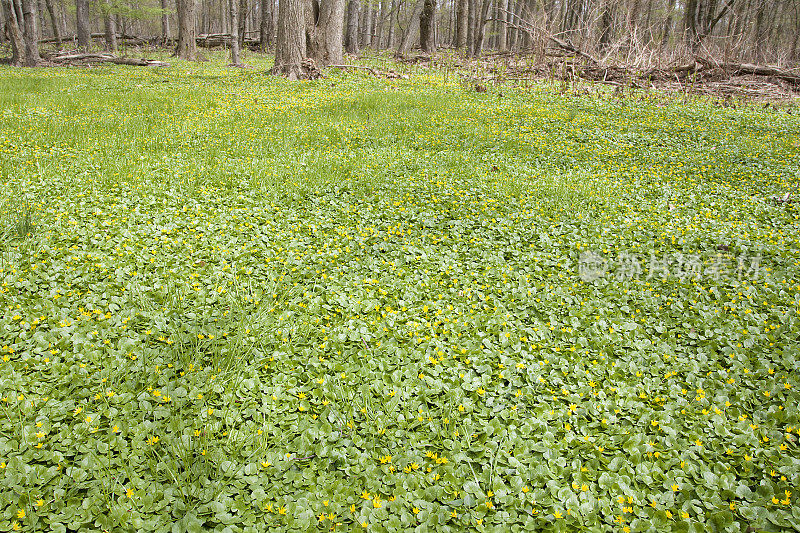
(236,303)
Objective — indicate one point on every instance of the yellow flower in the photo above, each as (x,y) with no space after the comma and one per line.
(21,513)
(557,514)
(129,493)
(415,510)
(39,502)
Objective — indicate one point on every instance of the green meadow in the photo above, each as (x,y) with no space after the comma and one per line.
(234,303)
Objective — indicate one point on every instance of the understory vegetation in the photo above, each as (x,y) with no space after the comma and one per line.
(236,303)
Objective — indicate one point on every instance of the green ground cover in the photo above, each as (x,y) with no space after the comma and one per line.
(234,303)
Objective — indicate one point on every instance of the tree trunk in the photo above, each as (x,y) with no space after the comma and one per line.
(426,27)
(164,22)
(233,7)
(377,42)
(110,27)
(82,23)
(290,44)
(502,30)
(30,34)
(15,32)
(187,30)
(410,33)
(480,28)
(242,17)
(472,16)
(606,24)
(324,31)
(391,22)
(54,22)
(265,27)
(462,22)
(351,37)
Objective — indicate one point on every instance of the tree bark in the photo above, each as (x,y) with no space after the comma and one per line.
(164,21)
(54,22)
(290,44)
(351,37)
(30,33)
(324,31)
(472,16)
(110,27)
(242,17)
(14,31)
(426,27)
(606,23)
(265,27)
(82,23)
(233,7)
(480,28)
(410,33)
(502,30)
(462,23)
(187,30)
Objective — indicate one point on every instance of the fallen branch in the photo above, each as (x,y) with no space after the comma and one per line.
(390,74)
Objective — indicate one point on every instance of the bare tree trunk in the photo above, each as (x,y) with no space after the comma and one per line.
(82,23)
(410,33)
(164,21)
(426,26)
(110,27)
(54,22)
(290,44)
(480,28)
(392,17)
(324,31)
(187,30)
(265,29)
(606,25)
(380,27)
(472,16)
(233,7)
(351,37)
(15,32)
(502,29)
(462,22)
(30,33)
(242,16)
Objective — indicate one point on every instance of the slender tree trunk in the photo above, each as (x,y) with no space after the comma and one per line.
(392,23)
(426,27)
(233,7)
(242,17)
(3,23)
(164,21)
(480,28)
(502,30)
(109,26)
(471,18)
(606,25)
(290,44)
(380,27)
(187,30)
(15,32)
(351,37)
(54,22)
(82,23)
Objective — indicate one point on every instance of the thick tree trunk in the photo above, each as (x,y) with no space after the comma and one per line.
(380,27)
(502,30)
(30,34)
(233,7)
(426,27)
(351,37)
(14,32)
(110,27)
(472,16)
(84,31)
(392,24)
(164,21)
(324,31)
(54,22)
(187,30)
(290,44)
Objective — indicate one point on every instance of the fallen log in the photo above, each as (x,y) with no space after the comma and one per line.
(107,58)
